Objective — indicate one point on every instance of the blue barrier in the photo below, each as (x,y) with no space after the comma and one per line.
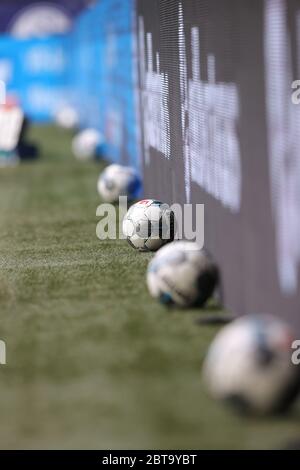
(104,75)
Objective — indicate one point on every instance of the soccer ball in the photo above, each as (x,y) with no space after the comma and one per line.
(86,143)
(117,180)
(249,365)
(67,117)
(182,274)
(148,225)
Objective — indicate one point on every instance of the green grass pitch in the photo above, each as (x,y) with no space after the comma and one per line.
(92,360)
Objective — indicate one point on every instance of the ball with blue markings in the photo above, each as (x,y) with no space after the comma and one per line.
(67,117)
(116,181)
(182,274)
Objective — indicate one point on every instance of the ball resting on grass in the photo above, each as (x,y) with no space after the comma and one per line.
(148,225)
(86,143)
(249,365)
(182,274)
(116,181)
(67,117)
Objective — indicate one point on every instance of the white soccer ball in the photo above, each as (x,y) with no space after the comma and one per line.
(182,274)
(148,225)
(249,365)
(117,180)
(85,144)
(67,117)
